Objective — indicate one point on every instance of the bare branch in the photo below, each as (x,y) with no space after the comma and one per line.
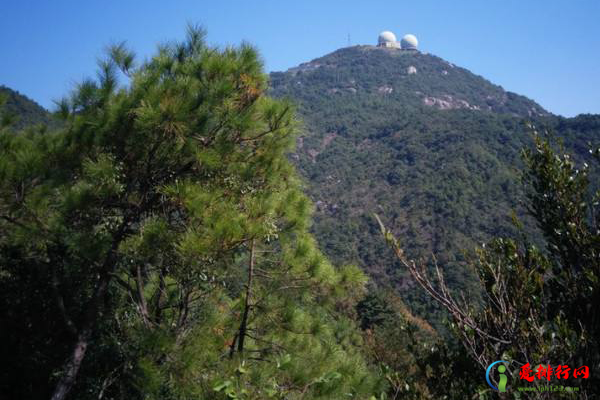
(441,293)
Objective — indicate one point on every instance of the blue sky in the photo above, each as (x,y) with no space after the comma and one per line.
(547,50)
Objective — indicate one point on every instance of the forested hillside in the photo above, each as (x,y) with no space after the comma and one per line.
(430,145)
(21,110)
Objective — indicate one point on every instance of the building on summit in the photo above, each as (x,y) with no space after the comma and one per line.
(409,42)
(388,39)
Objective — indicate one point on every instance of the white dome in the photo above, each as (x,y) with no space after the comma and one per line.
(409,42)
(386,37)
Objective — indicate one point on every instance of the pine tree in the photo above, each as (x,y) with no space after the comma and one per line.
(166,235)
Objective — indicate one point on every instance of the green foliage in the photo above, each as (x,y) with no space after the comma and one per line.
(539,306)
(542,303)
(446,179)
(161,235)
(163,231)
(415,361)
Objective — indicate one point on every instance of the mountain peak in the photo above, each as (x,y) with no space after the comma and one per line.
(411,77)
(411,136)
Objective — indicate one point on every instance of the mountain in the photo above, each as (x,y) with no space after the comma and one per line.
(25,111)
(407,78)
(431,147)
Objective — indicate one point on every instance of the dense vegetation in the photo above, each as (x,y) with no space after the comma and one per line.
(156,246)
(157,243)
(446,175)
(540,306)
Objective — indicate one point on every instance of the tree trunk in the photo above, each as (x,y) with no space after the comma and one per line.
(90,319)
(66,382)
(143,306)
(244,323)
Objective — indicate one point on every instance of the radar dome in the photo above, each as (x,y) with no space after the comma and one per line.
(409,42)
(386,37)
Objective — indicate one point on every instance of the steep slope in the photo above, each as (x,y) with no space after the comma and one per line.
(26,111)
(430,146)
